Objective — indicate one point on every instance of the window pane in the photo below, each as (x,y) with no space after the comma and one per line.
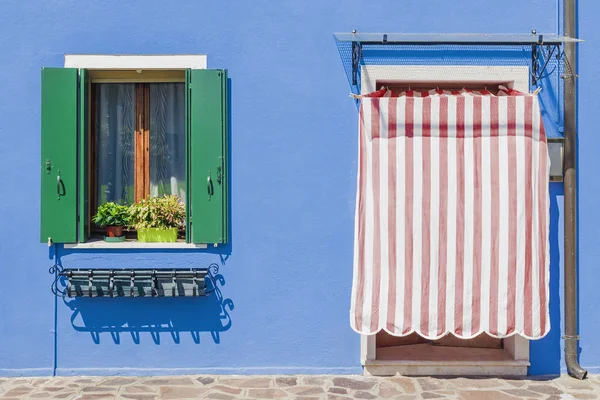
(167,139)
(114,138)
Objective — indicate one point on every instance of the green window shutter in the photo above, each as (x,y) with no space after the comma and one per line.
(207,156)
(188,200)
(59,155)
(83,206)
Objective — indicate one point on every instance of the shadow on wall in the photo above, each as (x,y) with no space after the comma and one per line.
(545,354)
(158,315)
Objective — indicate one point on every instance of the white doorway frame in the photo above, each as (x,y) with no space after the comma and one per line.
(514,77)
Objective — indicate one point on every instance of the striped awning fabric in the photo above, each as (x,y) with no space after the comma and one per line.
(452,215)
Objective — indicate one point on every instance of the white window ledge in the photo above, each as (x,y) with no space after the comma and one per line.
(133,244)
(115,61)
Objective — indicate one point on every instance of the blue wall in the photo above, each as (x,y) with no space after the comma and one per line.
(589,184)
(287,274)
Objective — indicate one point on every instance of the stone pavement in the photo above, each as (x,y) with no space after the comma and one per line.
(229,387)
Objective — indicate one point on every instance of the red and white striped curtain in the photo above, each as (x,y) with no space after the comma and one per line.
(452,215)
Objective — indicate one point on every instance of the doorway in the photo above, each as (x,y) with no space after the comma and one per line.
(384,354)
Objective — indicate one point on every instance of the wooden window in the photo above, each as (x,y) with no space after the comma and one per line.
(125,135)
(138,141)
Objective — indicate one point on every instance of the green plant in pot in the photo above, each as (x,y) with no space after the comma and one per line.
(157,219)
(113,217)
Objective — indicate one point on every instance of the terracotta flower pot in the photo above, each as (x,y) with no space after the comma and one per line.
(114,231)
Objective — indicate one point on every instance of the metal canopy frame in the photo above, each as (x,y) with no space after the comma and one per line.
(552,42)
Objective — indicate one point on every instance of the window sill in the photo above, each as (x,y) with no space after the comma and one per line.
(133,244)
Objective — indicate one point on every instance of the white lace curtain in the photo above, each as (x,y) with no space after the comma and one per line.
(115,125)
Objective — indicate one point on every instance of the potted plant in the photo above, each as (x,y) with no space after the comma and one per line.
(113,217)
(157,219)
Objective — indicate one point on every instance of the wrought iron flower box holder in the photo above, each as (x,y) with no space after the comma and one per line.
(137,282)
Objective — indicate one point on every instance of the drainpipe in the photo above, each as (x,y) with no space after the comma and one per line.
(570,192)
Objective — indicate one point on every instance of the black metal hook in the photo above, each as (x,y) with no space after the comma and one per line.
(356,58)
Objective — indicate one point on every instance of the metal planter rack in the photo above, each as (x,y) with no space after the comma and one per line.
(176,282)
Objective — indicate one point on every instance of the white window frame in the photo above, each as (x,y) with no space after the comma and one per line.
(515,77)
(135,62)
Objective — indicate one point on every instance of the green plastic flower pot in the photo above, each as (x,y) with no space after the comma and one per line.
(157,235)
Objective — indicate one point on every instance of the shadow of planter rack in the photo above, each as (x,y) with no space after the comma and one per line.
(177,282)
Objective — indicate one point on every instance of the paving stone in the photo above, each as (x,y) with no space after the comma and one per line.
(387,390)
(169,382)
(305,390)
(363,395)
(138,396)
(406,397)
(484,394)
(286,386)
(306,398)
(85,380)
(585,396)
(407,384)
(52,389)
(206,380)
(18,391)
(138,389)
(226,389)
(545,389)
(285,381)
(40,395)
(522,393)
(97,396)
(267,393)
(219,396)
(20,381)
(353,383)
(98,389)
(120,381)
(430,395)
(247,382)
(337,390)
(428,384)
(515,382)
(473,383)
(312,381)
(337,397)
(181,392)
(568,383)
(64,395)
